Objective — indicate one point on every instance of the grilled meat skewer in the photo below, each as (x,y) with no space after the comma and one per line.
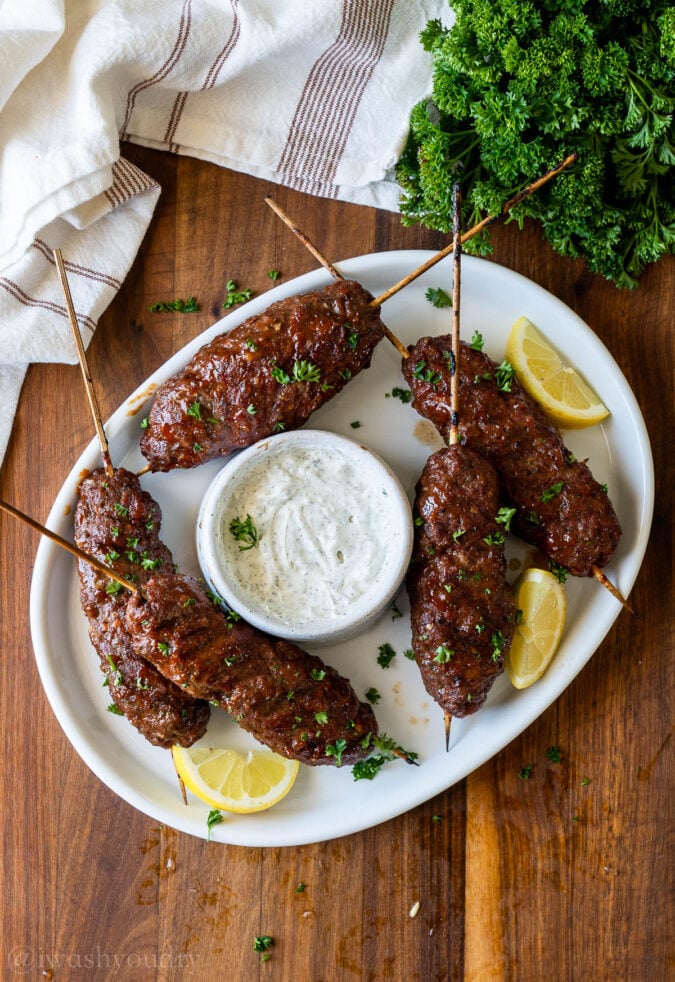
(560,507)
(117,522)
(462,612)
(269,374)
(285,697)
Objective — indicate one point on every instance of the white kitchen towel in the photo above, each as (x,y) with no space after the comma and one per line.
(313,94)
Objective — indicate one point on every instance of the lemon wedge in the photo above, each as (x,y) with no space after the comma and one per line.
(541,599)
(562,393)
(232,781)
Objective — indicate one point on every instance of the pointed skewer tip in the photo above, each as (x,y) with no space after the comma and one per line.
(447,720)
(608,585)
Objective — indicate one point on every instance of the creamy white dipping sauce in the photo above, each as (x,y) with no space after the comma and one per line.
(323,533)
(333,536)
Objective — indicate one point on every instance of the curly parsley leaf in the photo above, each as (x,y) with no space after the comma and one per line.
(517,87)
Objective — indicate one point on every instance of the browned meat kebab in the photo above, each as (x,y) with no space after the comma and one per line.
(288,699)
(462,611)
(269,374)
(117,522)
(560,507)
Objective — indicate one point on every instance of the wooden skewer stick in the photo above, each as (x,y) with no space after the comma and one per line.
(608,585)
(454,344)
(453,437)
(400,347)
(511,203)
(69,547)
(88,382)
(398,752)
(306,241)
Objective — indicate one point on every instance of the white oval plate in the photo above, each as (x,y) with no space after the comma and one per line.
(326,802)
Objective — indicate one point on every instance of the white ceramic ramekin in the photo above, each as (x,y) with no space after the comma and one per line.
(365,506)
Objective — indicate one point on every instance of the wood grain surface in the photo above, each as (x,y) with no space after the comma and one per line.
(547,878)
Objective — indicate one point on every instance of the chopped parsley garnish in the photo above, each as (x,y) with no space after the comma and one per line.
(438,297)
(443,654)
(235,296)
(336,750)
(163,647)
(301,887)
(495,538)
(558,571)
(273,274)
(356,425)
(457,534)
(318,674)
(250,344)
(345,373)
(352,339)
(214,817)
(366,770)
(261,943)
(405,395)
(121,510)
(554,755)
(113,588)
(215,599)
(498,642)
(145,422)
(118,675)
(279,375)
(305,371)
(424,374)
(302,371)
(373,696)
(550,493)
(195,410)
(504,516)
(112,708)
(150,564)
(525,772)
(188,306)
(386,654)
(409,653)
(388,750)
(321,717)
(251,410)
(477,341)
(244,531)
(504,376)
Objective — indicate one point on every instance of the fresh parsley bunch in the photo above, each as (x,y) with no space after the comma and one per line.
(517,86)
